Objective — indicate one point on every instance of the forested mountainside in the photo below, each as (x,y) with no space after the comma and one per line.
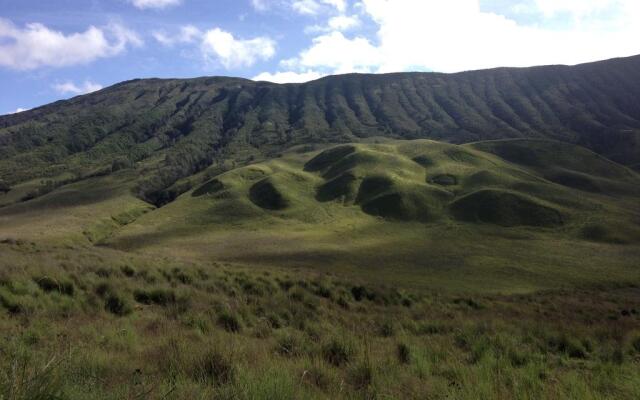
(174,128)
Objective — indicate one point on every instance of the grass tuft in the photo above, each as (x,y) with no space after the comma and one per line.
(337,352)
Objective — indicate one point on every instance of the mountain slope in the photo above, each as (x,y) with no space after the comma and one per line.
(175,128)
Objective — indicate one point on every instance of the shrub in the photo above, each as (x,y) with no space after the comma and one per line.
(28,379)
(48,284)
(274,321)
(103,272)
(182,276)
(317,377)
(471,303)
(121,163)
(343,303)
(635,344)
(286,285)
(252,288)
(117,305)
(567,345)
(617,356)
(10,303)
(361,376)
(289,345)
(103,288)
(386,329)
(4,187)
(358,293)
(262,330)
(404,353)
(128,271)
(518,358)
(215,368)
(337,352)
(297,295)
(229,322)
(323,291)
(432,329)
(161,297)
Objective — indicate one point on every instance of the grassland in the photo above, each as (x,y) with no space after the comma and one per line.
(104,324)
(377,208)
(397,236)
(382,269)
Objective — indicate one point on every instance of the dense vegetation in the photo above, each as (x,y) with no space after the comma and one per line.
(180,127)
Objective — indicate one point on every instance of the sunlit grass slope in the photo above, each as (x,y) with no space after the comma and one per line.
(418,212)
(84,212)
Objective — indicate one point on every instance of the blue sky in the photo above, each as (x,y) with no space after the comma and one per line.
(57,49)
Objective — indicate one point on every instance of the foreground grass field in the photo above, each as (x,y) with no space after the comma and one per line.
(91,323)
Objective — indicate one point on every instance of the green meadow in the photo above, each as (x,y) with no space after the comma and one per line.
(504,269)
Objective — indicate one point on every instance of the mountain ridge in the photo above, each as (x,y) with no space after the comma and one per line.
(175,128)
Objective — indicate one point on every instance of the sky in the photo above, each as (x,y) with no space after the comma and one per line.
(57,49)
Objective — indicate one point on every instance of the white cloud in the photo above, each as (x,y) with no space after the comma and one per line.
(304,7)
(337,54)
(260,5)
(187,34)
(307,7)
(36,46)
(455,36)
(19,110)
(339,23)
(223,47)
(340,5)
(343,22)
(579,8)
(69,87)
(157,4)
(289,76)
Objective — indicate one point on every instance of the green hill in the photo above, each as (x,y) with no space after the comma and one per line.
(413,209)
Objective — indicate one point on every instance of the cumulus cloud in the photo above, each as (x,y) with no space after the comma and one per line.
(304,7)
(221,46)
(36,46)
(354,55)
(455,36)
(343,22)
(314,7)
(339,23)
(157,4)
(289,76)
(187,34)
(333,53)
(461,35)
(19,110)
(69,87)
(217,46)
(340,5)
(260,5)
(575,8)
(309,7)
